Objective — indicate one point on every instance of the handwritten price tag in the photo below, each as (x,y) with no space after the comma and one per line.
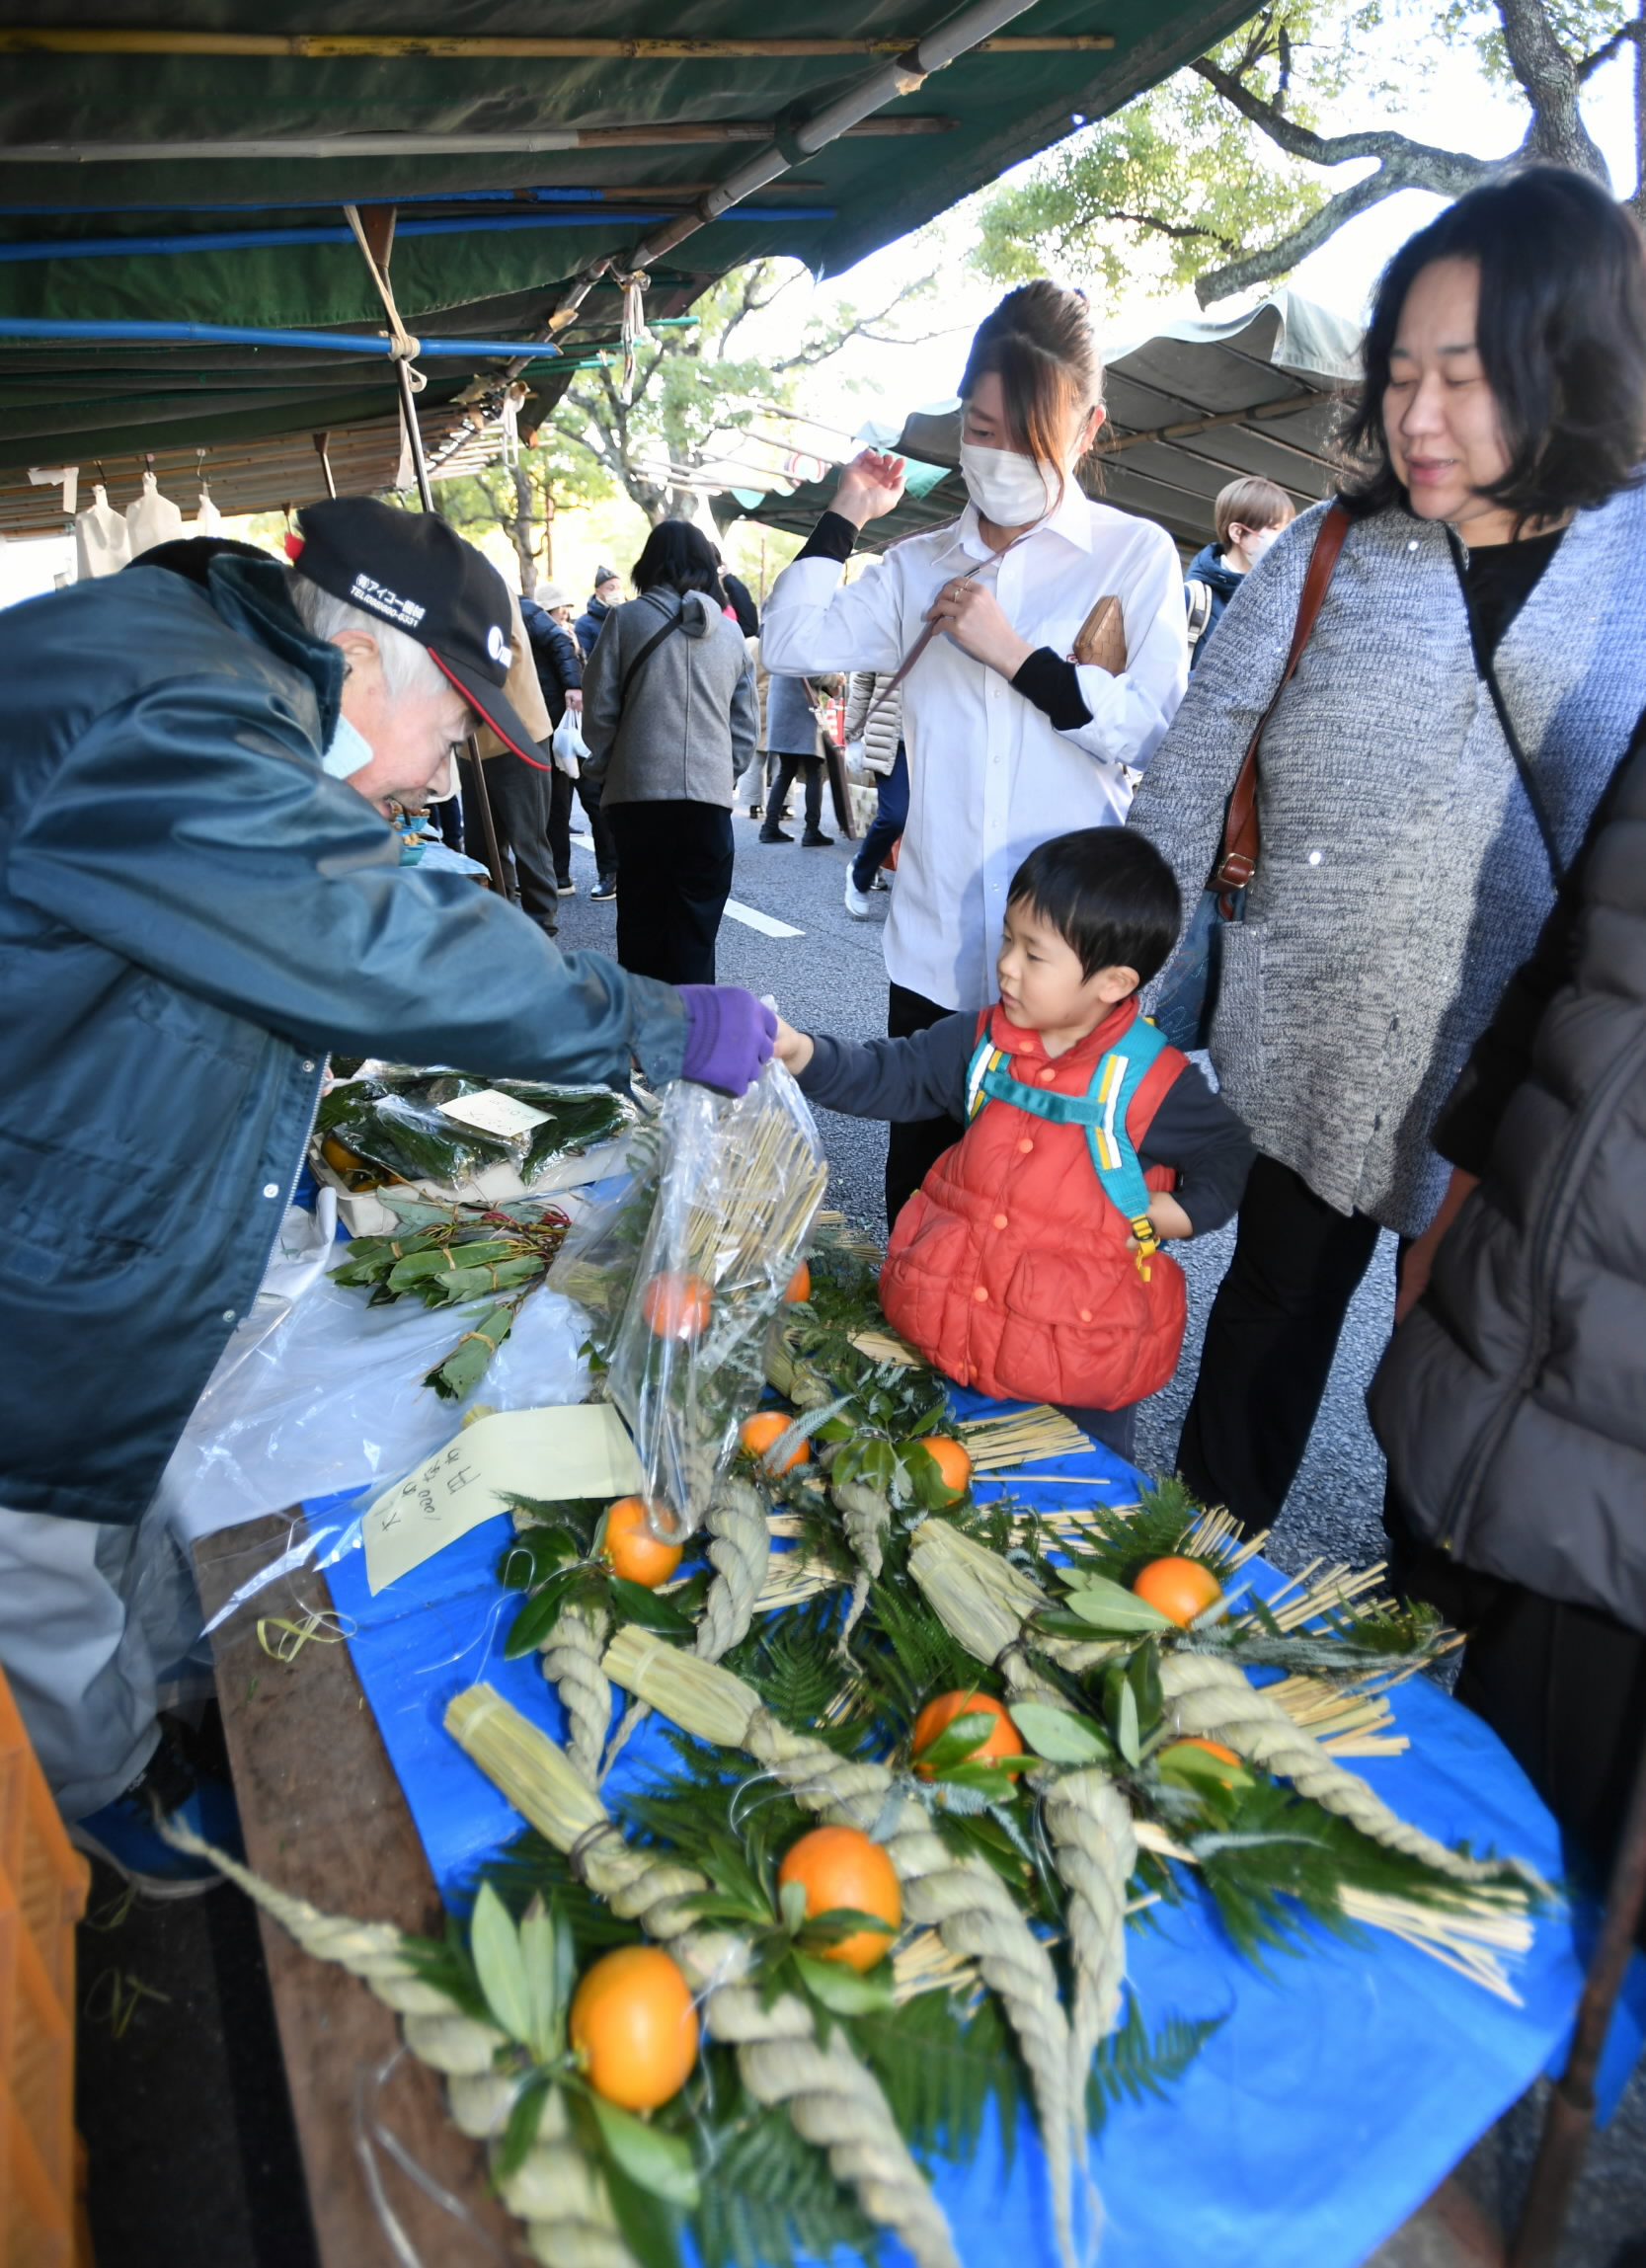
(579,1452)
(495,1113)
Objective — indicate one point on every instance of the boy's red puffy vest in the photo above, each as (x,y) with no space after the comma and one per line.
(1008,1268)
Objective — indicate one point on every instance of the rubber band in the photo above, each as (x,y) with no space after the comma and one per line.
(322,1624)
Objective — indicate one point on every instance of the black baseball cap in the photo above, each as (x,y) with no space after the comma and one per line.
(417,573)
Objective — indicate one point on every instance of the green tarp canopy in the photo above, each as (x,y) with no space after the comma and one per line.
(117,203)
(1202,402)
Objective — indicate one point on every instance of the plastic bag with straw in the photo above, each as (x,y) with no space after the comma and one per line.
(738,1189)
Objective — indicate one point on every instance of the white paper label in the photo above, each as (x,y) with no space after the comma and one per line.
(582,1450)
(495,1113)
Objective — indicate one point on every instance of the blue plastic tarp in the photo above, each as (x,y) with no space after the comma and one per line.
(1339,2088)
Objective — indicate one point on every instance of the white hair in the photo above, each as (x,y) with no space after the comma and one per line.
(408,668)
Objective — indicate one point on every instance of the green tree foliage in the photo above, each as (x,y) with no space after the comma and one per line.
(1225,175)
(698,391)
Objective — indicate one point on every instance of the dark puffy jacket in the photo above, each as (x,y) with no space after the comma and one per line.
(554,656)
(590,624)
(192,914)
(1512,1401)
(1223,581)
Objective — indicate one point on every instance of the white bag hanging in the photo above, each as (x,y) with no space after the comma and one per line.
(101,539)
(567,748)
(153,518)
(209,520)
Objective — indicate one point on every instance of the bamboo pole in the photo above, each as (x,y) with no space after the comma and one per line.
(281,148)
(337,47)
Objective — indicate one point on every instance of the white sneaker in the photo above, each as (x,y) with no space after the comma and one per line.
(859,905)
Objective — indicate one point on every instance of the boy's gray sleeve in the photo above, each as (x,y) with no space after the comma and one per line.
(920,1078)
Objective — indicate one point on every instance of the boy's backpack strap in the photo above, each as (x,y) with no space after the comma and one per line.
(1197,597)
(1114,1088)
(985,1056)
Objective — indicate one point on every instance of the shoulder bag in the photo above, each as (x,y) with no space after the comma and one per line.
(1187,997)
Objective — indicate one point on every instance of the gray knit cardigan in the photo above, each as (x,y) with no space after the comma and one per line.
(1402,876)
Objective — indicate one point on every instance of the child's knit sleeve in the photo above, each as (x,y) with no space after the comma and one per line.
(1196,1135)
(920,1078)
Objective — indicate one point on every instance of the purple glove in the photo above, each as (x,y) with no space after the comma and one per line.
(729,1036)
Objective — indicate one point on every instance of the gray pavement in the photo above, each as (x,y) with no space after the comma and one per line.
(830,976)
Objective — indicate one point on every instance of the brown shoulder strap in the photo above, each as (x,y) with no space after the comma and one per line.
(1238,860)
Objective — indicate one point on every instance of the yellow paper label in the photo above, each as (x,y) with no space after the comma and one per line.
(582,1450)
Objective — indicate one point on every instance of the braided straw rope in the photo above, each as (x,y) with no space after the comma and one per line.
(864,1514)
(571,1657)
(561,2197)
(1212,1698)
(833,2099)
(739,1555)
(965,1900)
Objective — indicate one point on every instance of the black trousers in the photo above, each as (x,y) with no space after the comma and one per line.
(588,793)
(673,878)
(913,1145)
(1270,1340)
(777,800)
(518,794)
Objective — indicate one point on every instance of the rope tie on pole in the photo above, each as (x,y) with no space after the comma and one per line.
(403,348)
(634,284)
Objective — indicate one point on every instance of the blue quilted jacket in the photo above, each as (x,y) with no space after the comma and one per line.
(192,915)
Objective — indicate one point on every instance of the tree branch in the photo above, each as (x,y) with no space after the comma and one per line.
(1549,79)
(1447,171)
(1632,34)
(1277,259)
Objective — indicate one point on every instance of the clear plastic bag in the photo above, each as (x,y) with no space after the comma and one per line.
(738,1189)
(390,1125)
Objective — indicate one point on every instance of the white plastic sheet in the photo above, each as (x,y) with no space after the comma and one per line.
(331,1397)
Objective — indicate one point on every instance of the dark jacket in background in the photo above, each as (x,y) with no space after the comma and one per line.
(741,601)
(1223,581)
(1512,1402)
(590,624)
(193,915)
(555,654)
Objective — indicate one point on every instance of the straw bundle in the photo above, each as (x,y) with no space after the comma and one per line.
(1022,1437)
(963,1899)
(833,2099)
(738,1554)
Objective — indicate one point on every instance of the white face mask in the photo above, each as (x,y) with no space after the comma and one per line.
(346,752)
(1260,540)
(1010,490)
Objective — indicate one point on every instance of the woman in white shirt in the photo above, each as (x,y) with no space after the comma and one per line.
(1009,740)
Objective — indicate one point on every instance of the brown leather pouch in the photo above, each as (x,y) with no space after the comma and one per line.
(1101,638)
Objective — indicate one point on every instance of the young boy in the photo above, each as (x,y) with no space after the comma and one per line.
(1026,1264)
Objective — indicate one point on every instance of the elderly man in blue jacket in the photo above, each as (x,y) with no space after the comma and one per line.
(202,896)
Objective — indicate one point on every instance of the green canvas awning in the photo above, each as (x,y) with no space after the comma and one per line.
(119,199)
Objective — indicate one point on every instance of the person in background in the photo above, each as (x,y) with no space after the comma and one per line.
(1025,1264)
(1475,674)
(793,737)
(739,597)
(202,896)
(1010,740)
(518,788)
(554,649)
(609,592)
(669,716)
(1249,515)
(875,716)
(1512,1401)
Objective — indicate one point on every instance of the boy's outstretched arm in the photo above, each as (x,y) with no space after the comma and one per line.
(920,1078)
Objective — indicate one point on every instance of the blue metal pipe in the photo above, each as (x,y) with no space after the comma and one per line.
(235,335)
(459,224)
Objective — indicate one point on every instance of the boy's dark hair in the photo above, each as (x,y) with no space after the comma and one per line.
(677,557)
(1561,334)
(1108,893)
